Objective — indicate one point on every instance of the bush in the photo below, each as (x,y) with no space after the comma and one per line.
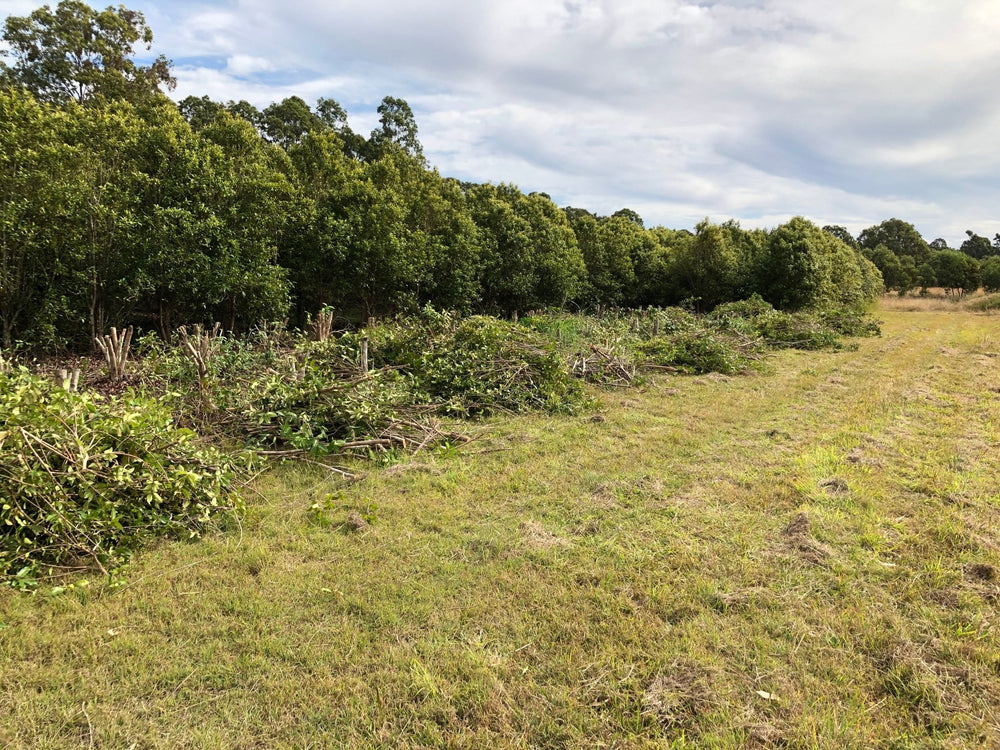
(86,481)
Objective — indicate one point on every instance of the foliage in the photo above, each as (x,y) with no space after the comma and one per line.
(476,365)
(977,246)
(85,481)
(77,53)
(702,350)
(900,237)
(804,267)
(529,256)
(955,271)
(990,272)
(36,201)
(798,330)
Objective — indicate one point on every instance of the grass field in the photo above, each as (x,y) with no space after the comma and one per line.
(805,557)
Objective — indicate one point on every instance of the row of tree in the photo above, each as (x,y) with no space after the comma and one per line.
(118,206)
(907,261)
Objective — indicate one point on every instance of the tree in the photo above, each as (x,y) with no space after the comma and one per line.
(990,271)
(608,246)
(806,267)
(199,111)
(956,271)
(977,246)
(630,215)
(286,123)
(530,256)
(898,274)
(841,233)
(707,269)
(899,237)
(398,127)
(38,187)
(76,53)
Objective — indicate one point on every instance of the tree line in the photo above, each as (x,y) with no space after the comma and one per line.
(119,206)
(908,262)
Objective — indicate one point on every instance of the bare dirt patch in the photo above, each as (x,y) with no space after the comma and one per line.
(678,695)
(537,536)
(835,485)
(798,536)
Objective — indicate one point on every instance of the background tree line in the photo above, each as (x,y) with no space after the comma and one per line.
(119,206)
(908,262)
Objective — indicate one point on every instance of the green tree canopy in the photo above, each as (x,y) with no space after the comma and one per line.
(978,247)
(899,237)
(76,53)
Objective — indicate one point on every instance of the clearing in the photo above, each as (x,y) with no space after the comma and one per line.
(806,557)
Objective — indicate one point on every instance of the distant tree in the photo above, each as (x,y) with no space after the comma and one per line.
(990,272)
(977,247)
(76,53)
(926,277)
(573,213)
(246,111)
(891,268)
(939,244)
(899,237)
(286,123)
(199,111)
(956,271)
(334,116)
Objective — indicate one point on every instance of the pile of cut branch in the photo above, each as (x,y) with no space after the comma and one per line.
(603,367)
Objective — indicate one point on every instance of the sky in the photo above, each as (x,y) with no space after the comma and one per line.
(847,112)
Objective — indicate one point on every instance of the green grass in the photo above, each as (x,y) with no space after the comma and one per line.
(805,557)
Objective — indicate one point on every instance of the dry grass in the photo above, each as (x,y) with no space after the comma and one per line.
(804,558)
(936,300)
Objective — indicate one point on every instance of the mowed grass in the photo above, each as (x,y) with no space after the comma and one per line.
(806,557)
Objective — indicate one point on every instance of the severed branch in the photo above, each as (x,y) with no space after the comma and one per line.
(115,349)
(200,347)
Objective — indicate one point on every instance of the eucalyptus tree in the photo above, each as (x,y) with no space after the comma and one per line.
(977,246)
(77,53)
(397,127)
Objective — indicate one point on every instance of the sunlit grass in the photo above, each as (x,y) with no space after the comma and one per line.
(804,557)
